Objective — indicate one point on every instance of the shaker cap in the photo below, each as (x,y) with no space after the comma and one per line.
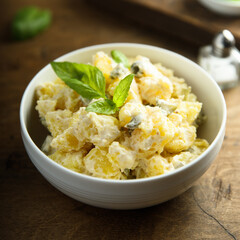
(223,44)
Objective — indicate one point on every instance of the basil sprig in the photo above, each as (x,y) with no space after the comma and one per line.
(89,82)
(29,21)
(86,80)
(119,57)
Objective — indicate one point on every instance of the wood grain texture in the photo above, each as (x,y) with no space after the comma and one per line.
(30,208)
(186,19)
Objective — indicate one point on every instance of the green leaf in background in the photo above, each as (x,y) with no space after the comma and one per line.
(30,21)
(122,89)
(86,80)
(119,57)
(102,106)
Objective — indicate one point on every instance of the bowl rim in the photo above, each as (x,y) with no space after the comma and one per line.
(65,170)
(223,3)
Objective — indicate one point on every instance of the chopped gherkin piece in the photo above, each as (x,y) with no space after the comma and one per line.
(167,106)
(137,69)
(126,171)
(186,91)
(200,119)
(118,71)
(135,122)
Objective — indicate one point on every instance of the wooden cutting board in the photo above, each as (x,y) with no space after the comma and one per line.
(186,19)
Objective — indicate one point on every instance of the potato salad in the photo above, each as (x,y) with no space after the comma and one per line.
(119,117)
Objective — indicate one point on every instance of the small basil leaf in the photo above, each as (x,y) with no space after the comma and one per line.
(87,74)
(103,106)
(30,21)
(121,91)
(119,57)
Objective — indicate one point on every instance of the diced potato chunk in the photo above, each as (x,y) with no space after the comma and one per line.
(122,157)
(153,166)
(87,127)
(68,141)
(183,158)
(152,88)
(189,110)
(58,93)
(98,164)
(154,132)
(45,106)
(106,64)
(183,139)
(129,111)
(72,160)
(58,121)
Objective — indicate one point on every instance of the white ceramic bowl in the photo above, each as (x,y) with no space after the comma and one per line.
(138,193)
(224,7)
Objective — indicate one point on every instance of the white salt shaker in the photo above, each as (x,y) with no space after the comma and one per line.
(221,60)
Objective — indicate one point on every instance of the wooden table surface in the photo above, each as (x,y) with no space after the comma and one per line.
(32,209)
(185,19)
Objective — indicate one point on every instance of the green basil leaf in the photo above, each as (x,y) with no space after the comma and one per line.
(83,89)
(30,21)
(119,57)
(66,70)
(89,75)
(121,91)
(103,106)
(93,77)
